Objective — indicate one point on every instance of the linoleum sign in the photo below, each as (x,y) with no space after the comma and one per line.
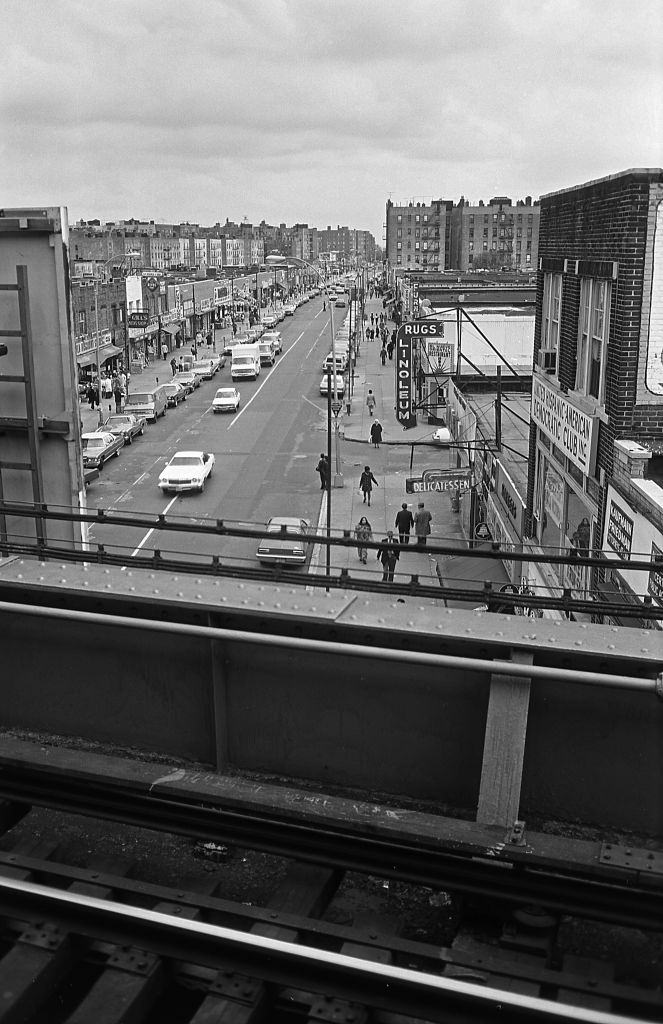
(573,431)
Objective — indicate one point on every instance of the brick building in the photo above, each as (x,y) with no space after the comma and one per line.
(495,235)
(598,347)
(419,235)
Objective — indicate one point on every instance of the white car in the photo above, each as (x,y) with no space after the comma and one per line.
(281,543)
(226,400)
(187,471)
(442,436)
(290,308)
(340,385)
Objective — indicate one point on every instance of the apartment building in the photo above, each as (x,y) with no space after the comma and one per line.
(419,235)
(496,235)
(305,243)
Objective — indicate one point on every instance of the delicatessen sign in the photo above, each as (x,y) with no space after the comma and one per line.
(572,430)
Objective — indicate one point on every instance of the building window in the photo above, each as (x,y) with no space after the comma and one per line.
(416,233)
(417,219)
(399,233)
(485,246)
(471,218)
(82,322)
(425,218)
(399,245)
(398,258)
(494,218)
(552,305)
(399,219)
(485,232)
(592,337)
(471,247)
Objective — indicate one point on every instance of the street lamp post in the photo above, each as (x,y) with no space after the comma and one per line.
(337,480)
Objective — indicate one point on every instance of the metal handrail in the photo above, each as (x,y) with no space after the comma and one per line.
(492,666)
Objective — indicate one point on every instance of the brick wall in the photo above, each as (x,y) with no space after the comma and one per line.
(609,221)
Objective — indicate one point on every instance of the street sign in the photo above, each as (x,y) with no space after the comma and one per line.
(138,319)
(336,407)
(454,480)
(482,531)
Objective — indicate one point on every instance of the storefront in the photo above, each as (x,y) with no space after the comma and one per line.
(629,532)
(566,489)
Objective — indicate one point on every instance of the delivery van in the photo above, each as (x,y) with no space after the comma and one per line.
(150,403)
(245,361)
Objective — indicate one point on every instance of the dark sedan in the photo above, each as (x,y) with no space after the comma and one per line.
(127,425)
(99,448)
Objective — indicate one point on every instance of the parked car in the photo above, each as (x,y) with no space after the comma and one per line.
(269,320)
(204,368)
(442,436)
(238,339)
(175,393)
(340,302)
(99,447)
(340,385)
(290,308)
(226,400)
(187,471)
(127,425)
(187,379)
(281,543)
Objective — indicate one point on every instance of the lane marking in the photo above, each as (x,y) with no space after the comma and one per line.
(267,377)
(150,532)
(317,407)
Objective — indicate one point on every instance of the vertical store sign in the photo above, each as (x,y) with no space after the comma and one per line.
(404,377)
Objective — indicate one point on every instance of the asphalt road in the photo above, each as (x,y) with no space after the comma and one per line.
(265,454)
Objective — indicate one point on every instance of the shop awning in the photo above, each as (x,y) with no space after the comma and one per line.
(171,328)
(105,352)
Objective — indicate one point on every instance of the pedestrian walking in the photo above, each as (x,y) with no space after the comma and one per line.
(388,554)
(117,394)
(376,433)
(92,396)
(372,318)
(390,349)
(324,305)
(370,402)
(363,535)
(366,481)
(422,521)
(323,471)
(107,387)
(180,365)
(404,523)
(383,355)
(164,351)
(173,365)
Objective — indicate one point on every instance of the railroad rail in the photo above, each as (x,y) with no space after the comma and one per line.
(95,945)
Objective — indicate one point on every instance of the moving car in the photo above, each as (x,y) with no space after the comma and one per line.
(226,400)
(281,543)
(175,393)
(189,381)
(127,425)
(442,436)
(187,471)
(99,447)
(275,338)
(340,385)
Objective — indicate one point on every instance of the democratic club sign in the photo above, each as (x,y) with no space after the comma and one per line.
(406,338)
(571,429)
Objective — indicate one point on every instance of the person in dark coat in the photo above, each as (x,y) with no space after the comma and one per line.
(404,523)
(323,470)
(92,395)
(388,555)
(366,481)
(363,535)
(376,433)
(422,521)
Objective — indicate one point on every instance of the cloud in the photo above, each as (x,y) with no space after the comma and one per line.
(313,111)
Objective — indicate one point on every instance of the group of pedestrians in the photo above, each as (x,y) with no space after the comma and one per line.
(113,387)
(388,553)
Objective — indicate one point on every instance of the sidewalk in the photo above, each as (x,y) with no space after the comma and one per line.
(158,372)
(391,465)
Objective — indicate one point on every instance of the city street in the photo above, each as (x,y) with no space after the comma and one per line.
(265,453)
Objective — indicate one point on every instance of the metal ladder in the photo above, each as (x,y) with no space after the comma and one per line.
(30,423)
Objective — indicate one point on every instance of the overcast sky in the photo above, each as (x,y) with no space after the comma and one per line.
(317,111)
